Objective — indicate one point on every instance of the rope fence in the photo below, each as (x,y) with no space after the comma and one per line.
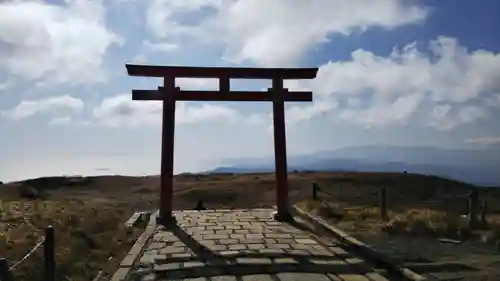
(465,205)
(48,243)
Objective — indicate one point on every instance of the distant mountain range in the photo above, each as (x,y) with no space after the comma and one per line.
(475,166)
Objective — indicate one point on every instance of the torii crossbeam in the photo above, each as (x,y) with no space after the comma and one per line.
(169,94)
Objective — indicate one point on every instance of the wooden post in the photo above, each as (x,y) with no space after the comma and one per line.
(484,210)
(383,203)
(224,84)
(283,213)
(5,274)
(315,192)
(199,205)
(49,254)
(473,208)
(167,152)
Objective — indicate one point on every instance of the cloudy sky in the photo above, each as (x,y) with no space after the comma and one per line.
(390,72)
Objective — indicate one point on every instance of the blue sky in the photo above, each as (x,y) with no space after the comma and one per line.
(390,72)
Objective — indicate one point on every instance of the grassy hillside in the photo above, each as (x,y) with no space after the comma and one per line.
(89,212)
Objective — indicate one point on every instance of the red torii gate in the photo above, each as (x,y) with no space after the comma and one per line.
(169,94)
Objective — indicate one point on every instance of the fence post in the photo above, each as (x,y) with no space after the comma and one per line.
(5,274)
(199,205)
(49,254)
(383,203)
(315,191)
(484,209)
(473,207)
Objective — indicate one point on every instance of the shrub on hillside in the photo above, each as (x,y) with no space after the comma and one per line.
(32,193)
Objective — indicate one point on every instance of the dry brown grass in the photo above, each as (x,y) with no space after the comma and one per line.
(87,236)
(412,222)
(88,213)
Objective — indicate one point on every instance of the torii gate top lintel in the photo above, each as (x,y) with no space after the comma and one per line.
(220,72)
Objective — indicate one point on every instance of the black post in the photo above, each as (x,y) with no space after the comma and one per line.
(199,205)
(49,254)
(383,203)
(484,210)
(473,208)
(315,192)
(5,274)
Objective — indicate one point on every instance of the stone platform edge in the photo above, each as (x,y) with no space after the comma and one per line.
(122,272)
(358,246)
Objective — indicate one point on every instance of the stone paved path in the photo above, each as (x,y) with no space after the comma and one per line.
(246,245)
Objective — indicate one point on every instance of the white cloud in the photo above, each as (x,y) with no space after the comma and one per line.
(488,140)
(446,117)
(54,105)
(296,114)
(257,120)
(368,89)
(197,83)
(140,59)
(380,91)
(58,43)
(384,114)
(449,73)
(4,85)
(120,110)
(492,101)
(272,33)
(59,121)
(159,47)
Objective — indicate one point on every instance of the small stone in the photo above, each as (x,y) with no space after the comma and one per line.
(147,259)
(217,247)
(306,241)
(271,251)
(327,262)
(182,255)
(278,246)
(223,278)
(285,241)
(228,241)
(253,261)
(167,266)
(375,276)
(300,246)
(193,264)
(215,236)
(278,235)
(354,261)
(237,247)
(228,253)
(353,277)
(254,236)
(260,277)
(337,250)
(156,245)
(149,277)
(172,250)
(256,246)
(284,260)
